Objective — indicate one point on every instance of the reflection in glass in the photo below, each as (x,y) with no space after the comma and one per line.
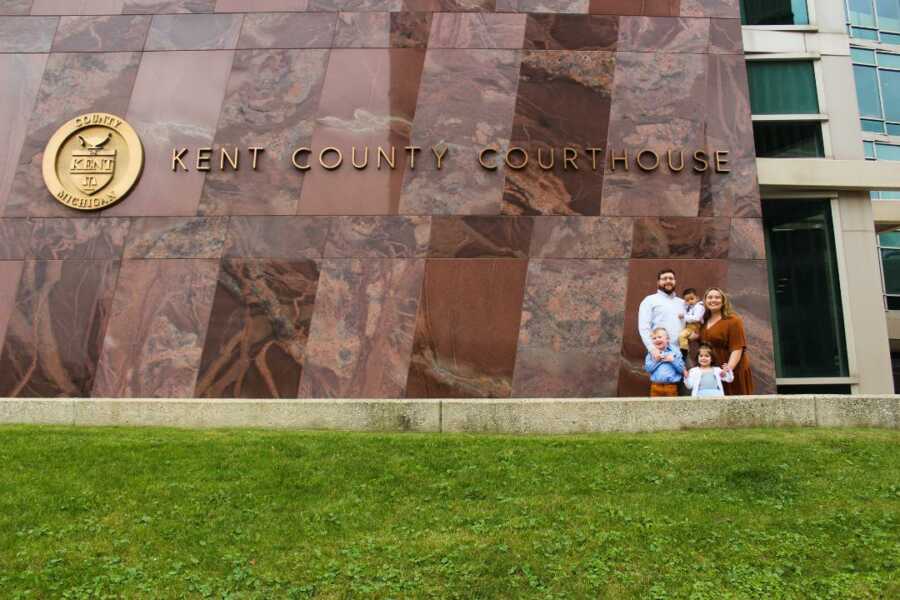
(774,12)
(867,91)
(782,87)
(888,14)
(861,13)
(785,139)
(805,291)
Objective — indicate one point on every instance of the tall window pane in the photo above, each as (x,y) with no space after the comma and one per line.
(780,139)
(888,14)
(806,298)
(890,92)
(890,266)
(867,91)
(774,12)
(861,13)
(782,87)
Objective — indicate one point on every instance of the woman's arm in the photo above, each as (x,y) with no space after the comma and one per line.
(734,359)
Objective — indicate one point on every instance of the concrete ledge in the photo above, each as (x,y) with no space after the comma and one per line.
(525,416)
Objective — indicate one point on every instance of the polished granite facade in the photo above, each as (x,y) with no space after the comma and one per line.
(381,283)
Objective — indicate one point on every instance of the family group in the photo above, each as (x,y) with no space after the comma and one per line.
(668,324)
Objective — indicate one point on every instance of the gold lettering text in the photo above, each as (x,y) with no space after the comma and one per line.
(177,155)
(295,159)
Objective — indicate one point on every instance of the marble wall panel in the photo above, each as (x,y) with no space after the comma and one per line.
(477,30)
(368,101)
(77,7)
(659,103)
(410,29)
(15,7)
(258,329)
(557,89)
(194,32)
(20,77)
(642,275)
(725,36)
(288,30)
(150,7)
(55,332)
(289,238)
(10,270)
(156,329)
(466,101)
(359,6)
(363,30)
(382,30)
(101,34)
(747,239)
(581,237)
(681,237)
(271,102)
(164,123)
(647,8)
(748,287)
(449,5)
(362,332)
(223,6)
(571,333)
(726,9)
(72,84)
(543,6)
(378,237)
(729,127)
(27,34)
(177,237)
(15,238)
(663,34)
(571,32)
(480,237)
(58,239)
(466,329)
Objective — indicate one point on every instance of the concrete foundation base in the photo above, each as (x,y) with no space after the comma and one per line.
(525,416)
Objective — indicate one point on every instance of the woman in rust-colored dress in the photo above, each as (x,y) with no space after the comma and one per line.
(724,331)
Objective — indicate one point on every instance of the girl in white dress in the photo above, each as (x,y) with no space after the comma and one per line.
(705,381)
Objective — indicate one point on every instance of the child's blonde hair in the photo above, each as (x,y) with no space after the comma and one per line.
(663,329)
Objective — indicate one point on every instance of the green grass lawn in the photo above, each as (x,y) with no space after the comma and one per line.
(259,514)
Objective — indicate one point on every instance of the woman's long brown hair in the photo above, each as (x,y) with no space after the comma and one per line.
(727,309)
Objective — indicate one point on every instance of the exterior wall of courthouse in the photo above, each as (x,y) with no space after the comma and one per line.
(459,282)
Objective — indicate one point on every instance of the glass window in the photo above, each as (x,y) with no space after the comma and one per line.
(869,150)
(782,87)
(774,12)
(893,129)
(861,56)
(890,38)
(861,13)
(886,59)
(864,34)
(873,126)
(788,139)
(890,93)
(887,151)
(888,14)
(867,91)
(804,289)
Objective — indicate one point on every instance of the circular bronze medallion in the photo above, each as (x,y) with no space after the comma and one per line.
(93,161)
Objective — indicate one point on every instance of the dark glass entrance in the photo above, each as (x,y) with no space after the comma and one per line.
(804,289)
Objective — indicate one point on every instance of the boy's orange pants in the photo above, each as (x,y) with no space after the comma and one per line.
(658,390)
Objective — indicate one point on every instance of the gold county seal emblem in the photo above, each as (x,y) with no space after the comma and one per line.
(93,161)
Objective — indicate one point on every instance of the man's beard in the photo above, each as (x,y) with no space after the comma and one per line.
(666,289)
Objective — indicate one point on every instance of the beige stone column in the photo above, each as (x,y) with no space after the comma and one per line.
(864,313)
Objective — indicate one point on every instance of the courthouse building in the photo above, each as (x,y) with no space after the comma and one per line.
(440,198)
